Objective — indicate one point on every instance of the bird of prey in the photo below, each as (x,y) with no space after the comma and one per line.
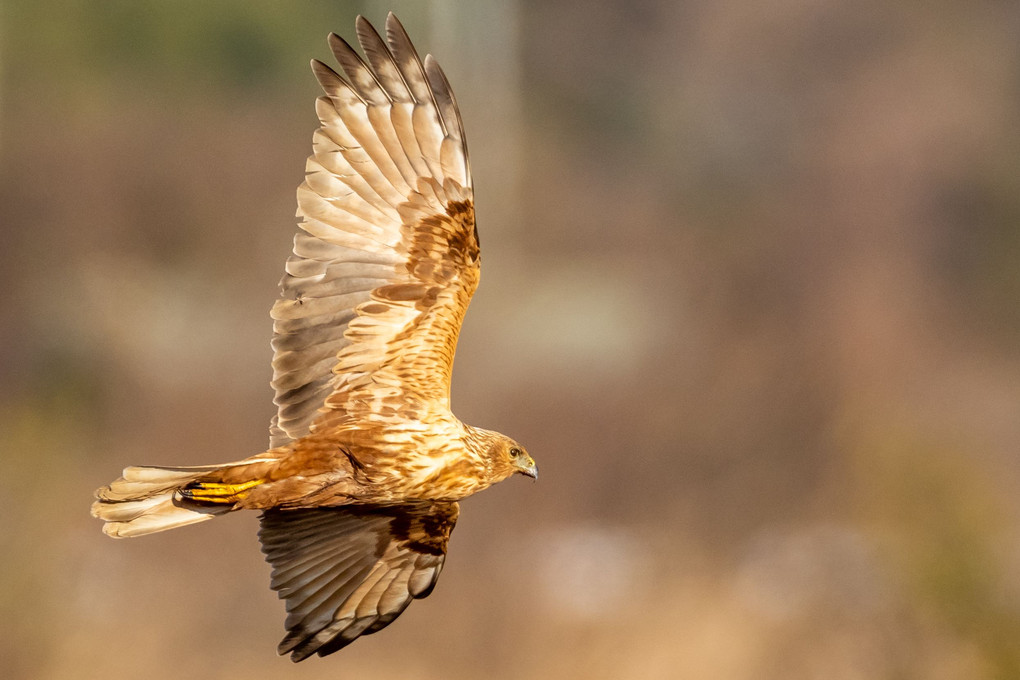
(359,488)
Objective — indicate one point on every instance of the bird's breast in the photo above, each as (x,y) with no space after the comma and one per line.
(448,475)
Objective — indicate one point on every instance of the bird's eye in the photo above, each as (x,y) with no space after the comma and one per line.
(515,452)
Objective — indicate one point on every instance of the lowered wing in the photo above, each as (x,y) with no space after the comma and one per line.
(347,572)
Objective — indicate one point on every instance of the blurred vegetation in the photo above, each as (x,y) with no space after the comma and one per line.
(750,297)
(189,46)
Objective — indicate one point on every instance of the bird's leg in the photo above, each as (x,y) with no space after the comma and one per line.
(216,492)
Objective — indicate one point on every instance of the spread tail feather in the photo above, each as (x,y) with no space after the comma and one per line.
(150,499)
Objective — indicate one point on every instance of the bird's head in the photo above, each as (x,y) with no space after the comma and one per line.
(507,457)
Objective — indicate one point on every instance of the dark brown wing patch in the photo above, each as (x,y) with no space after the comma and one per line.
(347,572)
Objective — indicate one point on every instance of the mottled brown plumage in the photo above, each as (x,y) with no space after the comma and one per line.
(359,489)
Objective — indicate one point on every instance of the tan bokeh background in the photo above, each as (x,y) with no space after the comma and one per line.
(751,297)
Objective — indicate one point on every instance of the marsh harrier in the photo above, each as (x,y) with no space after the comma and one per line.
(359,489)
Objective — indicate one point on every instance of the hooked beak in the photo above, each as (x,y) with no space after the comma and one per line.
(528,467)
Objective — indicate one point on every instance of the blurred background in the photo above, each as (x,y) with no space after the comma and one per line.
(751,297)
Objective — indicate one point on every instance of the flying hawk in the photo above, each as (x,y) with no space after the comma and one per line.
(359,489)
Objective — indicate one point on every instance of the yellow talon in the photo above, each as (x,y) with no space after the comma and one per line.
(214,492)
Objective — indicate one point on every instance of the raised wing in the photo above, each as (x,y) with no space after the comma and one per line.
(347,572)
(387,257)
